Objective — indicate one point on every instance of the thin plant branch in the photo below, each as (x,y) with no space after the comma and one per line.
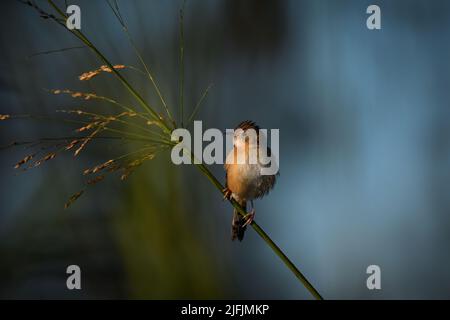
(199,103)
(54,51)
(181,85)
(119,17)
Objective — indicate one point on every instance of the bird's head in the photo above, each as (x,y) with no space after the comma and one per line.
(243,133)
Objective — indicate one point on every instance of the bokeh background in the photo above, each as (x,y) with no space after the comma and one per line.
(364,156)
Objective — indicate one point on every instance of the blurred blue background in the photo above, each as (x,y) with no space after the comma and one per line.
(364,152)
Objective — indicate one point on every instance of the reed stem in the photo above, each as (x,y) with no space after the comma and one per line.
(291,266)
(275,248)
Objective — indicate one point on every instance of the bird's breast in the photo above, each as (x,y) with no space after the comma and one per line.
(243,180)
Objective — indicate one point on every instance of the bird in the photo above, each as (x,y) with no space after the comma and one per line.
(243,179)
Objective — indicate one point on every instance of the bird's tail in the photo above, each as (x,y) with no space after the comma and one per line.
(237,224)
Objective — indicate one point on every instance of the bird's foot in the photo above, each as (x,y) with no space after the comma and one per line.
(226,193)
(249,218)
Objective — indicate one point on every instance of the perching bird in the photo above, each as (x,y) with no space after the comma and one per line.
(244,181)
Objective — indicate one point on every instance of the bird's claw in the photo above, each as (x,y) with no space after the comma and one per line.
(226,194)
(249,218)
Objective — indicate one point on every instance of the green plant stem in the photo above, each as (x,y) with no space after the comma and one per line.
(182,66)
(199,103)
(264,236)
(259,231)
(147,72)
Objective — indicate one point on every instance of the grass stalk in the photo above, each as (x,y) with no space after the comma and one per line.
(116,11)
(199,103)
(275,248)
(181,85)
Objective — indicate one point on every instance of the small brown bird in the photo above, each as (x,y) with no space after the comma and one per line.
(244,181)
